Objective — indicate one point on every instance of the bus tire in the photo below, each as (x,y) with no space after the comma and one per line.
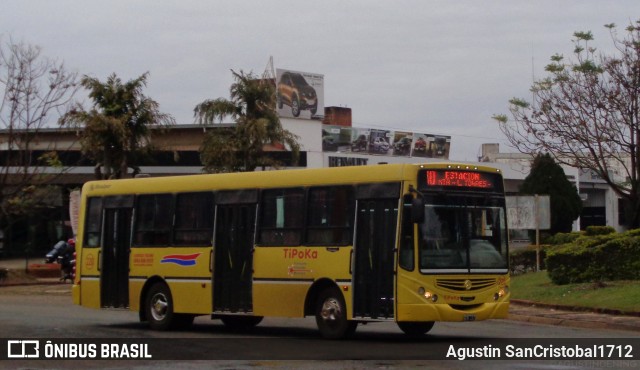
(415,329)
(331,315)
(159,308)
(241,323)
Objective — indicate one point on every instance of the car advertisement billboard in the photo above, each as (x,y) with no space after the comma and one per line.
(431,146)
(438,146)
(336,138)
(384,142)
(359,139)
(299,94)
(402,142)
(379,142)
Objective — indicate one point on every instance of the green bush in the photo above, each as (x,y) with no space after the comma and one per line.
(618,259)
(565,263)
(595,258)
(596,240)
(562,238)
(599,230)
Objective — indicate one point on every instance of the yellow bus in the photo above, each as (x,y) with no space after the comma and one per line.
(411,244)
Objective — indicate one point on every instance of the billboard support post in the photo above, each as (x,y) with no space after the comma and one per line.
(537,234)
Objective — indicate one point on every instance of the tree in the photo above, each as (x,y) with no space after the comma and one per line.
(548,178)
(240,147)
(586,114)
(36,90)
(115,131)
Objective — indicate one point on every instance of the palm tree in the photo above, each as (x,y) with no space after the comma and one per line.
(241,147)
(116,129)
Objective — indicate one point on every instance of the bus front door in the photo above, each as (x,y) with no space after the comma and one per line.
(114,274)
(233,266)
(374,258)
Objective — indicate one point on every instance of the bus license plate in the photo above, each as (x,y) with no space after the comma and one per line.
(469,318)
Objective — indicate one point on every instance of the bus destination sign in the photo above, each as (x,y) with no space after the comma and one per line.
(459,179)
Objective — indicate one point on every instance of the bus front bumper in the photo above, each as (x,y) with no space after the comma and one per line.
(445,312)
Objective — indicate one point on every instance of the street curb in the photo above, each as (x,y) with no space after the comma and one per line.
(33,283)
(582,324)
(38,280)
(606,311)
(604,320)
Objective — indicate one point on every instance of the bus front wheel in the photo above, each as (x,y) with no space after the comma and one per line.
(416,328)
(159,307)
(331,315)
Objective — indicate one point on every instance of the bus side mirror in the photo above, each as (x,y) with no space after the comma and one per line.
(417,210)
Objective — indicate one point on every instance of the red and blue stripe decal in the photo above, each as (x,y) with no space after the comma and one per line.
(181,259)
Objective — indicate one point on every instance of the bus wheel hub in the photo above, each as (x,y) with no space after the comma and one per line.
(331,310)
(159,308)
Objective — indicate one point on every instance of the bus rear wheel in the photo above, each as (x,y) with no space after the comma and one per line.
(415,328)
(331,315)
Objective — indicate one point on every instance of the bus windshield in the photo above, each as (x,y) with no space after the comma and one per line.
(463,239)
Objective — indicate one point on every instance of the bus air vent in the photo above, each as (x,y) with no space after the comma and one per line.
(465,285)
(465,307)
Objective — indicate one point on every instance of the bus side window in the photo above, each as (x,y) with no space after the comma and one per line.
(93,222)
(154,218)
(194,219)
(406,257)
(281,220)
(330,215)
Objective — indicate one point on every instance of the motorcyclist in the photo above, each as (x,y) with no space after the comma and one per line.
(67,260)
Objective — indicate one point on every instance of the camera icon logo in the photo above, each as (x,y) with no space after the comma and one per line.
(23,349)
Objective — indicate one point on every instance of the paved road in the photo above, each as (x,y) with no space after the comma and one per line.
(46,312)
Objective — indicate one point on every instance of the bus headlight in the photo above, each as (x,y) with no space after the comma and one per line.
(427,295)
(501,293)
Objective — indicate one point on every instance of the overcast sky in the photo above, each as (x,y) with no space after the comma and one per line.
(438,67)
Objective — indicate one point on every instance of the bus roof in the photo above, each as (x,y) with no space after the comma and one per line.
(267,179)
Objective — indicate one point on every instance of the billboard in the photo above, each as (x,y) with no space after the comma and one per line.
(379,142)
(402,143)
(359,140)
(336,138)
(529,212)
(431,146)
(384,142)
(299,94)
